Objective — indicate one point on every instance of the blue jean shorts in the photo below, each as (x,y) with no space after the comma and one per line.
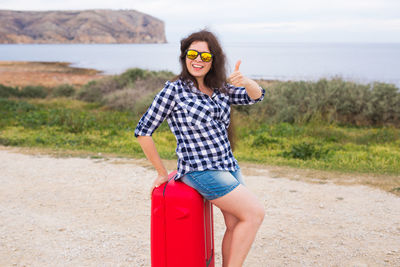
(212,184)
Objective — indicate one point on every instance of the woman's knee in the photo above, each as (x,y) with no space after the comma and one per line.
(254,215)
(261,214)
(242,204)
(257,214)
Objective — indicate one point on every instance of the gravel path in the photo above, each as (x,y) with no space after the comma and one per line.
(96,212)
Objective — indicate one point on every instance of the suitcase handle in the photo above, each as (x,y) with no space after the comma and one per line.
(211,234)
(171,176)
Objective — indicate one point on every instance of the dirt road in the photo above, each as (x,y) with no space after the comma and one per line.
(96,212)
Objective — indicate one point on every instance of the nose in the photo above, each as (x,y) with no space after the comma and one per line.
(198,58)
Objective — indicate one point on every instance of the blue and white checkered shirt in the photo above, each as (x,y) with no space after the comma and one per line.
(199,123)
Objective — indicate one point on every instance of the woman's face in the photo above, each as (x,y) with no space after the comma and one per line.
(196,67)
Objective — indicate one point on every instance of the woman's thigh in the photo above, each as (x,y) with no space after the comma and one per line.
(213,184)
(241,203)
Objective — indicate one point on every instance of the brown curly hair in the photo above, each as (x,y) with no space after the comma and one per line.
(216,77)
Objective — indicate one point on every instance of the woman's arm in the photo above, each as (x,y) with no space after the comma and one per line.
(252,88)
(158,111)
(149,149)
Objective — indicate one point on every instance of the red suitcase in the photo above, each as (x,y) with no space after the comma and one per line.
(182,231)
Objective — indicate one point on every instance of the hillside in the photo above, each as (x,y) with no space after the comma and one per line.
(87,26)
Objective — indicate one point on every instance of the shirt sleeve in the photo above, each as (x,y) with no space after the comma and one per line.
(159,110)
(239,96)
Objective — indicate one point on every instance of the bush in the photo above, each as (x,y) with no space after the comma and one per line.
(7,91)
(33,92)
(91,92)
(384,105)
(264,141)
(330,101)
(129,77)
(306,151)
(133,90)
(63,90)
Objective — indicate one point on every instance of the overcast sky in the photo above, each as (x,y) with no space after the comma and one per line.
(255,20)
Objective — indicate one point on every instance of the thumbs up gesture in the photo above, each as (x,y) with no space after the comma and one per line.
(236,78)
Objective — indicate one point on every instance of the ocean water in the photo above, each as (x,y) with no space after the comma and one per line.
(359,62)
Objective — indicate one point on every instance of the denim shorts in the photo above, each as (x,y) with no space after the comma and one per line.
(212,184)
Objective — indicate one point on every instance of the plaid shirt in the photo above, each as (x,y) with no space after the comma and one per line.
(199,123)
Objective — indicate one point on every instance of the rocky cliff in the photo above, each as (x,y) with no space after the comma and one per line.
(88,26)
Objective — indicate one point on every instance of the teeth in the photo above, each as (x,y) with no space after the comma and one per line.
(197,66)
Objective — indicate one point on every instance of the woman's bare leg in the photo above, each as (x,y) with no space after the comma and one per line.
(230,222)
(249,213)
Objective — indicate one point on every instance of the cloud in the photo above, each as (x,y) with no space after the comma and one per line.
(315,25)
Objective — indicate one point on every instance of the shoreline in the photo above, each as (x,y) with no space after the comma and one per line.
(54,73)
(266,60)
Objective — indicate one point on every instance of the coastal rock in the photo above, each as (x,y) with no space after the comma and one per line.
(87,26)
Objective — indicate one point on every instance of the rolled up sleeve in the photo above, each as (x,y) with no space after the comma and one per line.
(239,96)
(159,110)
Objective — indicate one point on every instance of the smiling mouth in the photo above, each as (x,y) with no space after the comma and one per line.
(195,66)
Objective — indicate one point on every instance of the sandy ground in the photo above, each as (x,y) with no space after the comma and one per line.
(24,73)
(96,212)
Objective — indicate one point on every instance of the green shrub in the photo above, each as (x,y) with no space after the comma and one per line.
(286,130)
(264,141)
(131,75)
(15,106)
(7,91)
(330,101)
(65,90)
(33,92)
(306,151)
(130,99)
(123,91)
(9,141)
(384,105)
(91,92)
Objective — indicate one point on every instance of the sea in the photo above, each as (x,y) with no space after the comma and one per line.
(359,62)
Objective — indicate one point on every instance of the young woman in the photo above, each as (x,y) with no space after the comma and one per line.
(197,108)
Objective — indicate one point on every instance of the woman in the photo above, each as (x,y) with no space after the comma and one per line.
(197,108)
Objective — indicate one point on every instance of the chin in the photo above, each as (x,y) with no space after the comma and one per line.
(198,74)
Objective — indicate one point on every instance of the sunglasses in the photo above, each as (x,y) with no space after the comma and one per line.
(205,56)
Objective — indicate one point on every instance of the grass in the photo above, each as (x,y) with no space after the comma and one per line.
(329,148)
(66,124)
(320,153)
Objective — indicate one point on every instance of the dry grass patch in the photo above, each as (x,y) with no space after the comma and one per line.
(49,74)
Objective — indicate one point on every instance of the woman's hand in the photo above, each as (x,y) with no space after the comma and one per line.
(158,181)
(236,78)
(239,80)
(149,149)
